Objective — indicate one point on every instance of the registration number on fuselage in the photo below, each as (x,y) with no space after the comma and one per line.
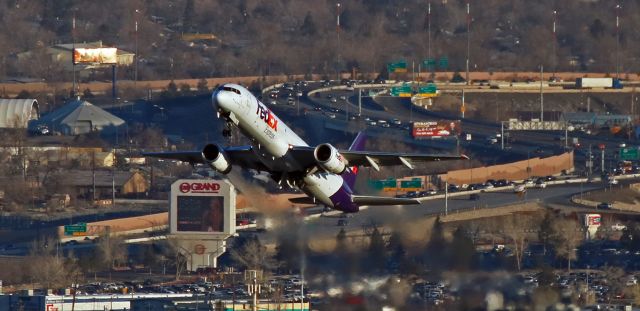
(269,133)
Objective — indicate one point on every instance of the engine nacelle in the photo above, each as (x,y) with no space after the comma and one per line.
(330,159)
(216,158)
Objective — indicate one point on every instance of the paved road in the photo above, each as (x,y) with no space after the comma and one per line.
(327,226)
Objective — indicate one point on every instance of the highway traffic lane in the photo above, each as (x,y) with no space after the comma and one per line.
(327,227)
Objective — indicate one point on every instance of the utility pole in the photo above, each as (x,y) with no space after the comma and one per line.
(359,102)
(135,65)
(338,35)
(541,94)
(463,108)
(502,135)
(446,198)
(429,31)
(555,39)
(602,160)
(468,40)
(566,134)
(73,52)
(618,7)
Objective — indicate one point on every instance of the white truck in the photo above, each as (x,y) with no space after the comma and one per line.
(585,83)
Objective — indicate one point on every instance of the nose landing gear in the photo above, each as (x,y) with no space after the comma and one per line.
(226,132)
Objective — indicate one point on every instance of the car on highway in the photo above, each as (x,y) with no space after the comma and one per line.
(474,197)
(519,188)
(604,205)
(333,100)
(342,97)
(396,122)
(331,115)
(540,184)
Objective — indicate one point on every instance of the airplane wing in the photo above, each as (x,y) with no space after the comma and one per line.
(363,200)
(304,155)
(242,156)
(376,159)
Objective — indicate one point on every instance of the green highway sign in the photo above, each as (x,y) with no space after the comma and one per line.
(75,229)
(429,63)
(399,66)
(629,154)
(411,184)
(444,63)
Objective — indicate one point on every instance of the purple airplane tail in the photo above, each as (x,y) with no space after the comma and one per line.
(357,145)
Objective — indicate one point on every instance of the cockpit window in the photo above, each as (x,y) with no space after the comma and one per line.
(230,89)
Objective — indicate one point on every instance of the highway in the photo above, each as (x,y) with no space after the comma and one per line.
(326,226)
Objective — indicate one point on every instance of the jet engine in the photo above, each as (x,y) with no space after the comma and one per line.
(330,159)
(216,158)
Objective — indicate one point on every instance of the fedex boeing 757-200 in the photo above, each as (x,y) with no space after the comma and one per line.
(325,174)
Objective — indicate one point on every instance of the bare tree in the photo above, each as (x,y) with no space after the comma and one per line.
(252,255)
(516,230)
(567,238)
(175,251)
(112,249)
(49,267)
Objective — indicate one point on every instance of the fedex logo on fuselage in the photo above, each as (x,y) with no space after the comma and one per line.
(267,116)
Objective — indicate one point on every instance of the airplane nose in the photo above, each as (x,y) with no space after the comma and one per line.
(214,99)
(221,100)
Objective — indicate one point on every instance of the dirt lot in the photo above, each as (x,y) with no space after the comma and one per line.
(502,106)
(622,195)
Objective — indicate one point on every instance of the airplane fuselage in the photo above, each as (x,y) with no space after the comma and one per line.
(272,141)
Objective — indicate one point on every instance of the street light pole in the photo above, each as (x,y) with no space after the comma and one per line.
(135,65)
(446,198)
(429,33)
(338,35)
(554,55)
(541,94)
(73,52)
(618,7)
(468,40)
(502,135)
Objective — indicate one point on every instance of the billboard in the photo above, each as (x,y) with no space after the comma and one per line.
(95,56)
(593,219)
(436,128)
(202,207)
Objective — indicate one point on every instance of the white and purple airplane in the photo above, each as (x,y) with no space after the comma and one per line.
(325,174)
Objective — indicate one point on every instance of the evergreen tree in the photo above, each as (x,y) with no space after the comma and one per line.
(377,251)
(308,27)
(187,17)
(462,250)
(435,255)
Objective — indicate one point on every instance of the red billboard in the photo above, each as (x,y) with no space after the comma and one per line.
(436,128)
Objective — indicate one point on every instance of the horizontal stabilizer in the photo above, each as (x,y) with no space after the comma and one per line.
(371,201)
(302,200)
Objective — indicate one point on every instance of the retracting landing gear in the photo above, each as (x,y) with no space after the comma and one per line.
(226,132)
